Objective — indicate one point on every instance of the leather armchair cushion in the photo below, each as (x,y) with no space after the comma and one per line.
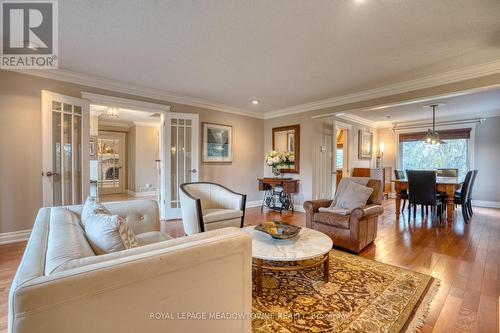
(216,214)
(329,218)
(151,237)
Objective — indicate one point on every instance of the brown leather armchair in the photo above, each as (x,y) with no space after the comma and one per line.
(353,232)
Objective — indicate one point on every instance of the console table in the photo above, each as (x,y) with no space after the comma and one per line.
(278,192)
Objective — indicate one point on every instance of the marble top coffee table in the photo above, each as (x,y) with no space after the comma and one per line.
(308,244)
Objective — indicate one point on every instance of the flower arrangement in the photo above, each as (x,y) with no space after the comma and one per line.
(279,159)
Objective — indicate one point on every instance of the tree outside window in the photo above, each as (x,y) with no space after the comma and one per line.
(419,155)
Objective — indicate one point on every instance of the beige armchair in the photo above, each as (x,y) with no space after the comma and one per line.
(354,231)
(207,206)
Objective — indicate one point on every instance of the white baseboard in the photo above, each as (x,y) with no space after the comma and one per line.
(254,203)
(258,203)
(484,203)
(299,208)
(142,194)
(14,236)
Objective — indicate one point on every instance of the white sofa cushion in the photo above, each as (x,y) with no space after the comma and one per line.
(219,214)
(109,233)
(151,237)
(92,207)
(66,240)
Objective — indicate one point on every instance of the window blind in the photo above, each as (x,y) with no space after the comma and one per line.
(460,133)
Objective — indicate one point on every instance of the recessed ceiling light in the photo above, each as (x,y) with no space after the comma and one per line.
(255,101)
(340,114)
(359,1)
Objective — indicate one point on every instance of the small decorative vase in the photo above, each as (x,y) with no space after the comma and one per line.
(276,172)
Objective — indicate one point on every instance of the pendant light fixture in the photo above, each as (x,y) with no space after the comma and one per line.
(432,137)
(112,113)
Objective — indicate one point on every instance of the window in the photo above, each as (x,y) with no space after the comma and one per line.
(340,158)
(415,154)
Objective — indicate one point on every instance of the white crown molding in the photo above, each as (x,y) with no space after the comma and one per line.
(15,236)
(124,103)
(463,74)
(135,90)
(115,123)
(358,120)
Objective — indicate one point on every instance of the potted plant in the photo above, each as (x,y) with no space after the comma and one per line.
(278,159)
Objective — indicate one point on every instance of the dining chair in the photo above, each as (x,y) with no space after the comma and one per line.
(447,172)
(469,197)
(422,191)
(462,197)
(403,194)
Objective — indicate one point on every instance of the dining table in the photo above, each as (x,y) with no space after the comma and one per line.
(446,185)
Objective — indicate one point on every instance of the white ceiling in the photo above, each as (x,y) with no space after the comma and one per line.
(480,104)
(127,117)
(283,53)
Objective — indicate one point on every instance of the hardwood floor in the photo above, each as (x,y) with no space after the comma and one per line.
(466,258)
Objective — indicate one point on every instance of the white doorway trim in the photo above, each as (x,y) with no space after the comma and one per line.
(147,107)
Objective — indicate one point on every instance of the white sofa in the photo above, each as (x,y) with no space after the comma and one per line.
(61,286)
(208,206)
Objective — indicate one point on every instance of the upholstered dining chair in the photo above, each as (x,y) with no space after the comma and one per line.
(207,206)
(463,196)
(400,174)
(422,191)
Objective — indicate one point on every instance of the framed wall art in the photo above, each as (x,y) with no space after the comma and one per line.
(217,143)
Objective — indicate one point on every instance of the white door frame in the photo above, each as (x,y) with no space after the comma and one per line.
(345,165)
(147,107)
(47,147)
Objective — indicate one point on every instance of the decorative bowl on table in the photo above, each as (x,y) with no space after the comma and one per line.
(278,230)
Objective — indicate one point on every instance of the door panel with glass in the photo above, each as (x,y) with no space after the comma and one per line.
(65,147)
(111,161)
(182,137)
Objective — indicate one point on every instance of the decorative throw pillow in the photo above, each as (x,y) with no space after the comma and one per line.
(355,196)
(92,207)
(109,233)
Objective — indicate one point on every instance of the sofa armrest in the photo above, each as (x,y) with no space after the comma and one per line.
(312,207)
(201,277)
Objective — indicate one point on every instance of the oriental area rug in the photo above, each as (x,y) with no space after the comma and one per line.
(362,295)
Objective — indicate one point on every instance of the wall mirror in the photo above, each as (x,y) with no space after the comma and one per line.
(287,139)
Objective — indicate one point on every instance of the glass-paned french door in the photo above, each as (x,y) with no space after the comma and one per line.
(111,156)
(65,158)
(182,142)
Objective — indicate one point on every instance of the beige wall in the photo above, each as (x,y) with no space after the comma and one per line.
(315,165)
(487,161)
(21,146)
(146,153)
